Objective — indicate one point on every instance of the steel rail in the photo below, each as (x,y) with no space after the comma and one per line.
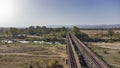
(88,54)
(73,61)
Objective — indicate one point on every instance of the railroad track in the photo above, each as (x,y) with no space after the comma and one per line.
(91,59)
(73,61)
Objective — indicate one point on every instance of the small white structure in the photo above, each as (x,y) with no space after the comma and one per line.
(48,42)
(41,42)
(24,41)
(58,43)
(35,41)
(9,41)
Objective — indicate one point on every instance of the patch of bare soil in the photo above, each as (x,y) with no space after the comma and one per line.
(109,45)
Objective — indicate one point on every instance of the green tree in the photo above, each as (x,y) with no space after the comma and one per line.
(75,30)
(111,33)
(38,30)
(14,32)
(31,30)
(82,36)
(6,33)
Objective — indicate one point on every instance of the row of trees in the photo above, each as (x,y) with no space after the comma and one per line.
(54,33)
(35,30)
(82,36)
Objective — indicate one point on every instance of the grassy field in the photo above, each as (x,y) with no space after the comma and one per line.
(108,52)
(36,55)
(92,33)
(110,55)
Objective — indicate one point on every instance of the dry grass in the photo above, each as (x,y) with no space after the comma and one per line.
(91,33)
(111,56)
(24,55)
(109,52)
(115,45)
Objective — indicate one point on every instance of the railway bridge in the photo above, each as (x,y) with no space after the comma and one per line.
(89,57)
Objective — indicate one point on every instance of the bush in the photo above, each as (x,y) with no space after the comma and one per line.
(106,52)
(119,51)
(52,63)
(30,66)
(110,41)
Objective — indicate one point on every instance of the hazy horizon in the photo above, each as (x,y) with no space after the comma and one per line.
(24,13)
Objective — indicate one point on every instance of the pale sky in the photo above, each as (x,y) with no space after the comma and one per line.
(24,13)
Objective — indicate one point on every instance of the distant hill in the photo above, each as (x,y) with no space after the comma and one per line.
(99,26)
(86,26)
(70,26)
(3,28)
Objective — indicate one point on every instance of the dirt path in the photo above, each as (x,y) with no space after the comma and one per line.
(115,65)
(15,54)
(26,54)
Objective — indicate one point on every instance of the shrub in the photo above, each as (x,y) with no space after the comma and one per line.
(106,52)
(52,63)
(30,66)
